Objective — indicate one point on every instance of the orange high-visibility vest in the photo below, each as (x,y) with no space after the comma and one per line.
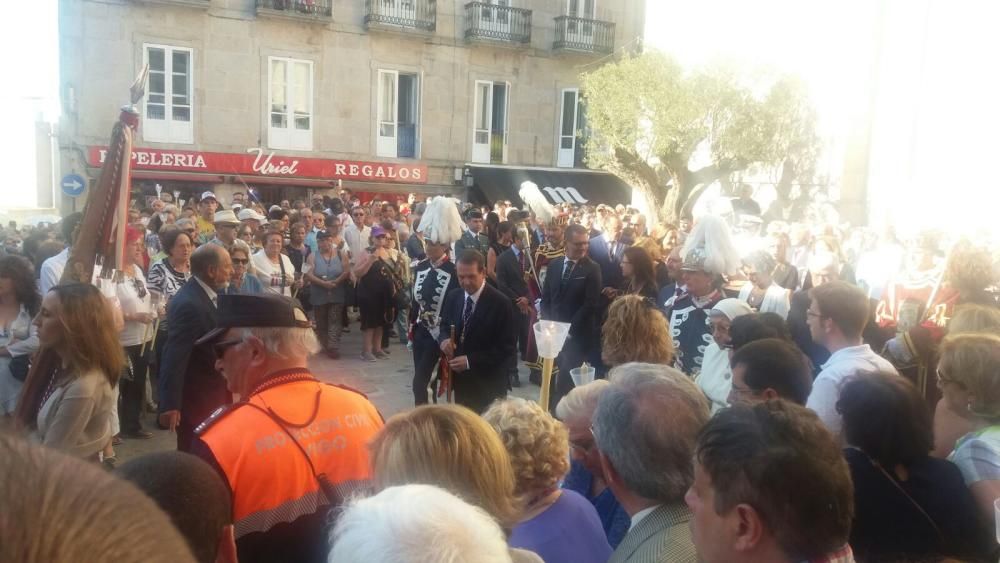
(269,477)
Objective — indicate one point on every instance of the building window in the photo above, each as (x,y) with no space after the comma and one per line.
(398,108)
(168,104)
(490,129)
(290,108)
(572,130)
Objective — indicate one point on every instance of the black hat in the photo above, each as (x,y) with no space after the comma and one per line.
(255,311)
(473,214)
(324,235)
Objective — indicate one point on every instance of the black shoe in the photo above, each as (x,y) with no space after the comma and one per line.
(514,380)
(137,435)
(535,377)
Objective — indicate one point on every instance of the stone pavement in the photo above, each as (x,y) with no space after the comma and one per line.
(387,383)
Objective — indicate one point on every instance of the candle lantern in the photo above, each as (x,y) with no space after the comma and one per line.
(550,336)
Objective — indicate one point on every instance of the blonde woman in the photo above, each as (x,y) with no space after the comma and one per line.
(77,323)
(635,331)
(453,448)
(949,426)
(557,524)
(969,379)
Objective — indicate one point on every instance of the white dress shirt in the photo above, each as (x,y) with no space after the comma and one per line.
(642,514)
(52,270)
(208,291)
(842,365)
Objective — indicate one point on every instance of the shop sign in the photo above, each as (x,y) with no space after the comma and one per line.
(261,162)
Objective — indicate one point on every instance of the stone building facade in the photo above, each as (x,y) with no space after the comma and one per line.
(376,86)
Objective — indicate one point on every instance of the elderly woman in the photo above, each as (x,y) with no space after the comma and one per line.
(969,379)
(557,524)
(275,270)
(451,447)
(761,292)
(635,331)
(716,378)
(241,282)
(576,411)
(949,426)
(908,505)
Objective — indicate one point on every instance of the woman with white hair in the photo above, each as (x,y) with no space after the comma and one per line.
(576,411)
(761,292)
(416,524)
(716,377)
(557,524)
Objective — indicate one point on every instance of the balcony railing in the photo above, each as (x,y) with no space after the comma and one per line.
(584,35)
(308,9)
(497,23)
(404,14)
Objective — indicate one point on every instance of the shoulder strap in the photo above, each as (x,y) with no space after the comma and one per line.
(900,488)
(329,491)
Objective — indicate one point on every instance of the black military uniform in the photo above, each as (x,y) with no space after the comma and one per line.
(431,284)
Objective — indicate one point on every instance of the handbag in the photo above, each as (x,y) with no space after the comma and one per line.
(19,366)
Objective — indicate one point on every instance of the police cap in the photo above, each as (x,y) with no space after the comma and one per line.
(255,311)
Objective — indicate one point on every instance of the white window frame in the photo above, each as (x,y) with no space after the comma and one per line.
(481,152)
(169,130)
(566,157)
(388,145)
(290,138)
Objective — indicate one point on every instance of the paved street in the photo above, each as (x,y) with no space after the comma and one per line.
(387,383)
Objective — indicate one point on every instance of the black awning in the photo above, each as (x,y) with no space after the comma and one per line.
(577,187)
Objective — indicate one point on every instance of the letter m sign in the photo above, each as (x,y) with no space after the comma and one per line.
(564,195)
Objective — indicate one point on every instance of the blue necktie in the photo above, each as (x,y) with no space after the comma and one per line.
(466,315)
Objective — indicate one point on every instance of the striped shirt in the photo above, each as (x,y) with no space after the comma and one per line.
(166,281)
(977,455)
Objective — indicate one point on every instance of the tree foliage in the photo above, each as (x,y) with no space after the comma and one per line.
(670,131)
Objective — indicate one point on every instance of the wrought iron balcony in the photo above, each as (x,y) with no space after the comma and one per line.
(401,14)
(316,10)
(489,22)
(583,35)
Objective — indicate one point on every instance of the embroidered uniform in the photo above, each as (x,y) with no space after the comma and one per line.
(431,283)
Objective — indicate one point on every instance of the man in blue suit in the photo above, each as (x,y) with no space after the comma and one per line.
(607,249)
(190,388)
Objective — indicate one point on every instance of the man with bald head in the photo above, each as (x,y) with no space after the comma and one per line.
(190,388)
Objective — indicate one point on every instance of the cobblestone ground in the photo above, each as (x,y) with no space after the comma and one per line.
(387,383)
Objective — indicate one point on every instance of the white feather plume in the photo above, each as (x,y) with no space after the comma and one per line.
(711,233)
(536,203)
(441,222)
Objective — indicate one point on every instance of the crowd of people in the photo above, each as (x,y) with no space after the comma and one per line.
(789,391)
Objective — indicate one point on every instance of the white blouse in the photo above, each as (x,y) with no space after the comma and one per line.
(775,299)
(270,276)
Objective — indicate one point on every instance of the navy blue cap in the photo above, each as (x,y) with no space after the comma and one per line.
(268,310)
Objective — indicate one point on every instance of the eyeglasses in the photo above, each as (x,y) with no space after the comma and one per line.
(240,261)
(220,347)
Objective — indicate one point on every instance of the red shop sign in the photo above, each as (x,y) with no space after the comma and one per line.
(257,162)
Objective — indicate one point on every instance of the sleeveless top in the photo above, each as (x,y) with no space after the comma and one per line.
(327,270)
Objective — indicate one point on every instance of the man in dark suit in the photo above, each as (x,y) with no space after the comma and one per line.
(572,294)
(607,250)
(513,271)
(190,389)
(483,318)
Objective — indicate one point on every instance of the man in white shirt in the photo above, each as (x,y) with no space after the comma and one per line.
(836,317)
(357,233)
(52,269)
(645,428)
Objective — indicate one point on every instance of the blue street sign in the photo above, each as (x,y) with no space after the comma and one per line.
(73,185)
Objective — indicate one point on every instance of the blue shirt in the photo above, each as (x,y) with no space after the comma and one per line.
(569,531)
(614,519)
(250,286)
